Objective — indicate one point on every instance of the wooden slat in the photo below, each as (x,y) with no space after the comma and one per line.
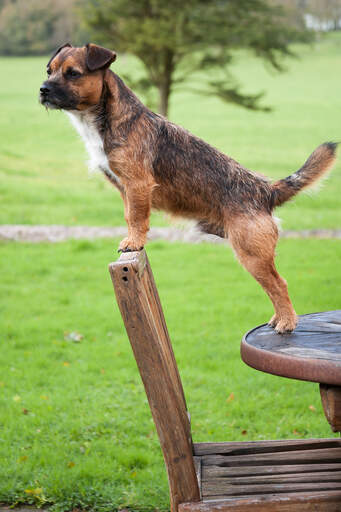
(317,476)
(223,488)
(293,457)
(244,471)
(142,314)
(235,448)
(325,501)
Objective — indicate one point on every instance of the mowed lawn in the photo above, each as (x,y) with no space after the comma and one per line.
(43,175)
(75,426)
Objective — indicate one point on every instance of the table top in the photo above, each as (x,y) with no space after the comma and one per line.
(311,352)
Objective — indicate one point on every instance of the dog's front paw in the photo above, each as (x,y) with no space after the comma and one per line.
(130,245)
(286,325)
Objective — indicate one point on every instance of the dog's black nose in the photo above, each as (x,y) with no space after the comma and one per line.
(45,89)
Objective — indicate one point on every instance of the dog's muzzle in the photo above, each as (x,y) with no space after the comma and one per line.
(45,95)
(52,95)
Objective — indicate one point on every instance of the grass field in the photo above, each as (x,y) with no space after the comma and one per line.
(75,427)
(43,176)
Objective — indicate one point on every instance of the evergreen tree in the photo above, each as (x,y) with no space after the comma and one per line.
(175,39)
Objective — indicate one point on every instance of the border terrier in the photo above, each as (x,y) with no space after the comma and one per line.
(157,164)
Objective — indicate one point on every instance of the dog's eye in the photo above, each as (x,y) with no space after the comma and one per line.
(48,72)
(72,73)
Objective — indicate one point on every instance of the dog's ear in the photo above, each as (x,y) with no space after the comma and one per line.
(57,51)
(98,57)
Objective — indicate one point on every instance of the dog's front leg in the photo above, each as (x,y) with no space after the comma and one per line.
(137,206)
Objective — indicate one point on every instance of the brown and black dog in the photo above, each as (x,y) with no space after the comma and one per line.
(156,164)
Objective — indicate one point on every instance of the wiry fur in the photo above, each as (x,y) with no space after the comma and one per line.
(156,164)
(317,165)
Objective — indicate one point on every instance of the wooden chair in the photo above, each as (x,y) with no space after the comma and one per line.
(268,476)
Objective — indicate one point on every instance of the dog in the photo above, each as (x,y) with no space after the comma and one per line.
(157,164)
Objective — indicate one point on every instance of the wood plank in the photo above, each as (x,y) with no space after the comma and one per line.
(142,314)
(325,501)
(331,402)
(244,471)
(317,476)
(278,458)
(224,488)
(263,446)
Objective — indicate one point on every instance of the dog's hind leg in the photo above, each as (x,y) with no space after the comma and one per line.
(254,241)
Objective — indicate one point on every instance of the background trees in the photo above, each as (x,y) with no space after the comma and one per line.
(178,43)
(38,26)
(177,40)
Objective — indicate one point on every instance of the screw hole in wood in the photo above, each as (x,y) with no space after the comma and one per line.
(125,269)
(125,278)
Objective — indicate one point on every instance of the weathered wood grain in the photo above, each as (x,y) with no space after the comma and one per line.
(237,448)
(327,501)
(277,458)
(289,470)
(142,314)
(198,470)
(226,488)
(269,468)
(331,402)
(285,477)
(311,352)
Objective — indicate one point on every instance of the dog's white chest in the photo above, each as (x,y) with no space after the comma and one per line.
(86,126)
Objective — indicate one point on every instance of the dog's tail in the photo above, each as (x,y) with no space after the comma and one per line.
(319,162)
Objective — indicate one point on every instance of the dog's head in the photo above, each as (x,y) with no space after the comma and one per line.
(75,77)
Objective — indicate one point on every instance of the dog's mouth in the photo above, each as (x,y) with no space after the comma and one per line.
(47,103)
(55,97)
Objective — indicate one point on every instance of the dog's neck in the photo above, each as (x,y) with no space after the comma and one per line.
(107,124)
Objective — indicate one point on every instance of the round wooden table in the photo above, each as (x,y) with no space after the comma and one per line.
(311,352)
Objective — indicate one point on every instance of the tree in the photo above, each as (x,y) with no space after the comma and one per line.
(322,15)
(36,27)
(177,39)
(327,13)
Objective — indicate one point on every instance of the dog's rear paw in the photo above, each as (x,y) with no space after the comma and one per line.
(286,325)
(273,321)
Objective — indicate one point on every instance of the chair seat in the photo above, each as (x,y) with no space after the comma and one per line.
(290,475)
(312,352)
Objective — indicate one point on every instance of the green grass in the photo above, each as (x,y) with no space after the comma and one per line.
(75,427)
(43,176)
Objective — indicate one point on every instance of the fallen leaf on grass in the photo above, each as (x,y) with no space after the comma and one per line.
(230,398)
(66,363)
(71,464)
(74,336)
(16,398)
(312,408)
(25,411)
(34,492)
(23,459)
(244,432)
(44,397)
